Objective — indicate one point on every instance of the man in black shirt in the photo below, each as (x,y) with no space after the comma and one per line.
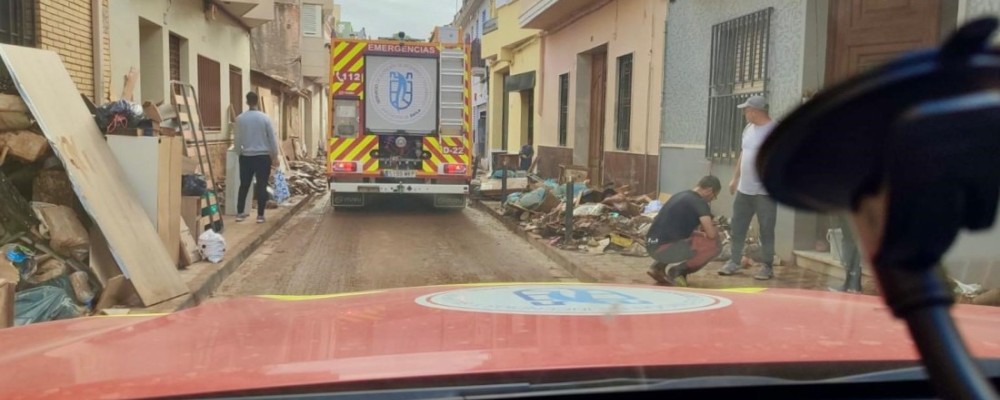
(683,234)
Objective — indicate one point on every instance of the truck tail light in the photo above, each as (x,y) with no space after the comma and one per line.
(455,169)
(345,166)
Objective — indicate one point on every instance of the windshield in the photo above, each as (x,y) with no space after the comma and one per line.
(253,194)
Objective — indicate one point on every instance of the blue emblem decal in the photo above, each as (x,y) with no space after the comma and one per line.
(559,297)
(400,90)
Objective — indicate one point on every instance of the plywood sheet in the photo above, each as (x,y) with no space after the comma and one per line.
(97,178)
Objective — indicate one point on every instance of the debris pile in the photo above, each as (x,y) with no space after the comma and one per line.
(612,220)
(44,243)
(305,177)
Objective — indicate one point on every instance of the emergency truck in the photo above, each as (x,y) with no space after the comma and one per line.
(400,120)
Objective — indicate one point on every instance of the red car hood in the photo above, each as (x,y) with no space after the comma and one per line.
(277,341)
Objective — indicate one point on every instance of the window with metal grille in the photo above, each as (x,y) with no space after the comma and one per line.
(738,70)
(563,108)
(209,93)
(17,22)
(623,103)
(175,57)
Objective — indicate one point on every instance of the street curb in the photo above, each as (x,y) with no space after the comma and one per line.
(579,272)
(197,295)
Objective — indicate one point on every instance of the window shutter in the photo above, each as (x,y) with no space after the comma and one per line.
(312,20)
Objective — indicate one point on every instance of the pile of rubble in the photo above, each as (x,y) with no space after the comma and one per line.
(44,242)
(305,177)
(609,221)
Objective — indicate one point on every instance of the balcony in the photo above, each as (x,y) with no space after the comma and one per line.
(258,13)
(547,14)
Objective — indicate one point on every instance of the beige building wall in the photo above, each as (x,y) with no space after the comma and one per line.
(211,35)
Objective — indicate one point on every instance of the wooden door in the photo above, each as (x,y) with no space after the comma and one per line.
(866,33)
(598,86)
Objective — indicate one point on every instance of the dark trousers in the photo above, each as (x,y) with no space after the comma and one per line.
(254,167)
(744,208)
(696,251)
(851,258)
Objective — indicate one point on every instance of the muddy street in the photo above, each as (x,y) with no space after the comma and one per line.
(384,246)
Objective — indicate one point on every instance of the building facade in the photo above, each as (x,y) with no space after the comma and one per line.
(719,52)
(513,56)
(471,20)
(599,103)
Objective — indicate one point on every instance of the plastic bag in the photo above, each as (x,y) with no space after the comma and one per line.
(514,197)
(43,303)
(280,187)
(193,185)
(120,114)
(213,246)
(532,199)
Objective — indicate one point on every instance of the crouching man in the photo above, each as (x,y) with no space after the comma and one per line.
(683,238)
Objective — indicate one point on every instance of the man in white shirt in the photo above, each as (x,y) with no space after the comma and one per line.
(751,197)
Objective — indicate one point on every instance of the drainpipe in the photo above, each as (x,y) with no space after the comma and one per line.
(649,95)
(97,29)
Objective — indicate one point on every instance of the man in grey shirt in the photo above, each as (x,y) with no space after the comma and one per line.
(258,149)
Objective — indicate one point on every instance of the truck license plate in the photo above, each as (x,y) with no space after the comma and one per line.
(395,173)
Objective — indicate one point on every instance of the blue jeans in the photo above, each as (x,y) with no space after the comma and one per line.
(744,208)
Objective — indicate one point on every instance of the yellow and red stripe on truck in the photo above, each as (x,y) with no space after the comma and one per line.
(356,151)
(445,151)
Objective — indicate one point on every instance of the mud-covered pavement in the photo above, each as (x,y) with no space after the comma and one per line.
(321,251)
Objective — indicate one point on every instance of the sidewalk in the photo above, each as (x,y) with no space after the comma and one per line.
(615,268)
(242,238)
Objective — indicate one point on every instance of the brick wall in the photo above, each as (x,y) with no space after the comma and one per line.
(65,27)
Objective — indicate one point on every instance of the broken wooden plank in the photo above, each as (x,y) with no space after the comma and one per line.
(6,304)
(98,180)
(10,121)
(102,263)
(68,236)
(190,253)
(128,89)
(25,145)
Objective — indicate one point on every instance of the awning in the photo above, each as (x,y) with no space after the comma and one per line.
(523,81)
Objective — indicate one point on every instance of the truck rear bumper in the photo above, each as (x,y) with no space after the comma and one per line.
(401,188)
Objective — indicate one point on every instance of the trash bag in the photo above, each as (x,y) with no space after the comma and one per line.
(514,197)
(120,114)
(281,192)
(43,303)
(193,185)
(499,174)
(532,199)
(212,245)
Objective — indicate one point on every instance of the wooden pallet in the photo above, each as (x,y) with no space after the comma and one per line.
(196,146)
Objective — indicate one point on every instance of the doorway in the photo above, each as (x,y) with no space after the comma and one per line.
(598,88)
(528,116)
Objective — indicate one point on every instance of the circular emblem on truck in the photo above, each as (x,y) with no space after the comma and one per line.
(569,300)
(400,141)
(401,92)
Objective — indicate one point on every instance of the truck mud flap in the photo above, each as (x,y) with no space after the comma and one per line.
(347,199)
(450,200)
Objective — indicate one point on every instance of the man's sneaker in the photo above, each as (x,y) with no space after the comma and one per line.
(656,272)
(241,217)
(766,272)
(675,275)
(729,269)
(260,219)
